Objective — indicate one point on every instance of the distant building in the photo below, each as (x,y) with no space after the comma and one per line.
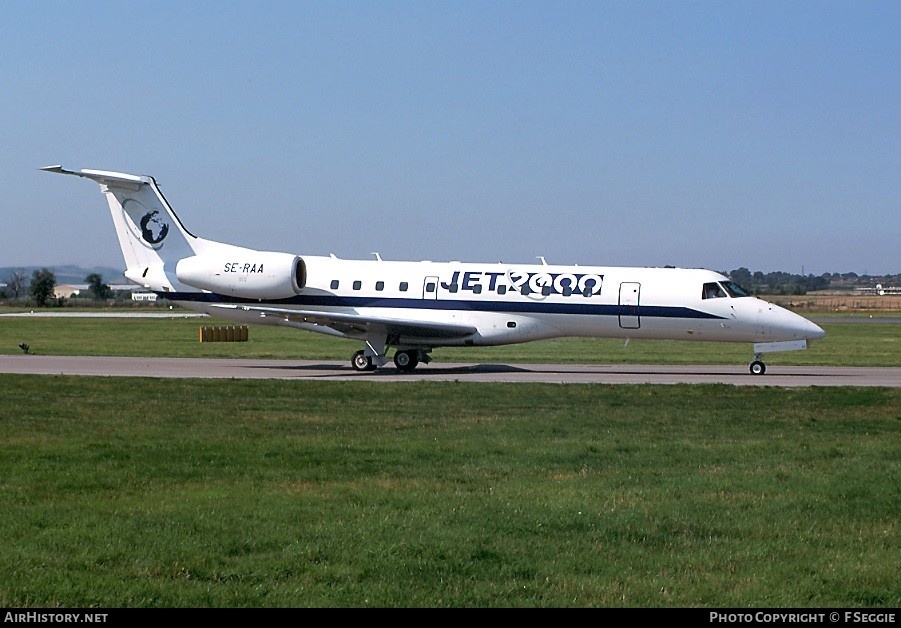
(68,290)
(143,296)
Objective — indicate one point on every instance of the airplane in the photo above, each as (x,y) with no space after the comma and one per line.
(412,307)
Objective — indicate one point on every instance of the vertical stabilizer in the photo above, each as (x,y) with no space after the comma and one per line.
(151,237)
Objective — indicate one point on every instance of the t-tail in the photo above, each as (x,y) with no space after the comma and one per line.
(151,237)
(160,253)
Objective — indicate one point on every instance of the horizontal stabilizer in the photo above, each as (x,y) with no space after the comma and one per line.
(101,176)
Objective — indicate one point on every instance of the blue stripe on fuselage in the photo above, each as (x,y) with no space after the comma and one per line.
(511,307)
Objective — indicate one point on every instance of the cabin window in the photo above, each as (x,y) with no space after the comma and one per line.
(453,287)
(430,287)
(567,291)
(358,284)
(502,289)
(511,324)
(525,290)
(404,286)
(334,284)
(477,289)
(713,290)
(546,291)
(379,285)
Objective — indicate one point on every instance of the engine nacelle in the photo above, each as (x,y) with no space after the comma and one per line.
(250,274)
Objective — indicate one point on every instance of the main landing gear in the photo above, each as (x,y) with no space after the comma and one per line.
(405,360)
(362,362)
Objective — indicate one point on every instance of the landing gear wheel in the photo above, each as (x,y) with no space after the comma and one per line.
(406,360)
(361,361)
(758,367)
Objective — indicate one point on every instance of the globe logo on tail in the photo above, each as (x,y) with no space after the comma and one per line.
(148,226)
(153,230)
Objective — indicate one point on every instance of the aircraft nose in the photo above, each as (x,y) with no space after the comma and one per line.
(794,326)
(813,331)
(805,328)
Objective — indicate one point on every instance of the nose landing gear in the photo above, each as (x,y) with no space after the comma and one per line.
(757,367)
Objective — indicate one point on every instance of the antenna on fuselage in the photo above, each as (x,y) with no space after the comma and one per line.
(377,256)
(543,261)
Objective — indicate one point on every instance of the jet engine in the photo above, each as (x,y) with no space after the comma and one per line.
(249,274)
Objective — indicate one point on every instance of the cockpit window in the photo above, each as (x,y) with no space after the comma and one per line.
(713,290)
(734,289)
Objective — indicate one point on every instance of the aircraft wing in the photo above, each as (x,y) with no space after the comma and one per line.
(357,324)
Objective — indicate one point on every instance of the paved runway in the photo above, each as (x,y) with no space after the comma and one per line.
(549,373)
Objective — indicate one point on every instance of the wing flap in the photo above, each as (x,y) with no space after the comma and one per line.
(356,323)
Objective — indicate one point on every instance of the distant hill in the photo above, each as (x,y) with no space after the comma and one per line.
(69,274)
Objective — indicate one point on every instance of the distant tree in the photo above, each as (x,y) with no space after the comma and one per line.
(100,290)
(741,276)
(42,284)
(812,283)
(15,282)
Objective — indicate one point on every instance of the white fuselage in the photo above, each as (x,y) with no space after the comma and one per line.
(510,303)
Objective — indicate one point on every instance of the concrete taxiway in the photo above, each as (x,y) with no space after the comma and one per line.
(785,376)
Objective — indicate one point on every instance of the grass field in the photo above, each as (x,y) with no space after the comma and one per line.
(182,493)
(868,344)
(128,492)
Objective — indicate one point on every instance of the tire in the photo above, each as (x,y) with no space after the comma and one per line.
(758,367)
(361,362)
(406,360)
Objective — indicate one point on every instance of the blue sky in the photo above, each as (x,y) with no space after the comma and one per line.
(712,134)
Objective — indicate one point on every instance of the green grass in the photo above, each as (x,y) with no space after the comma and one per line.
(122,492)
(128,492)
(846,344)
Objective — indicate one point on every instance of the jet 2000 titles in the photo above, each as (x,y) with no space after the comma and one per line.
(587,284)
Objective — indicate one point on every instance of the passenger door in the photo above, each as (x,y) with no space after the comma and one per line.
(629,294)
